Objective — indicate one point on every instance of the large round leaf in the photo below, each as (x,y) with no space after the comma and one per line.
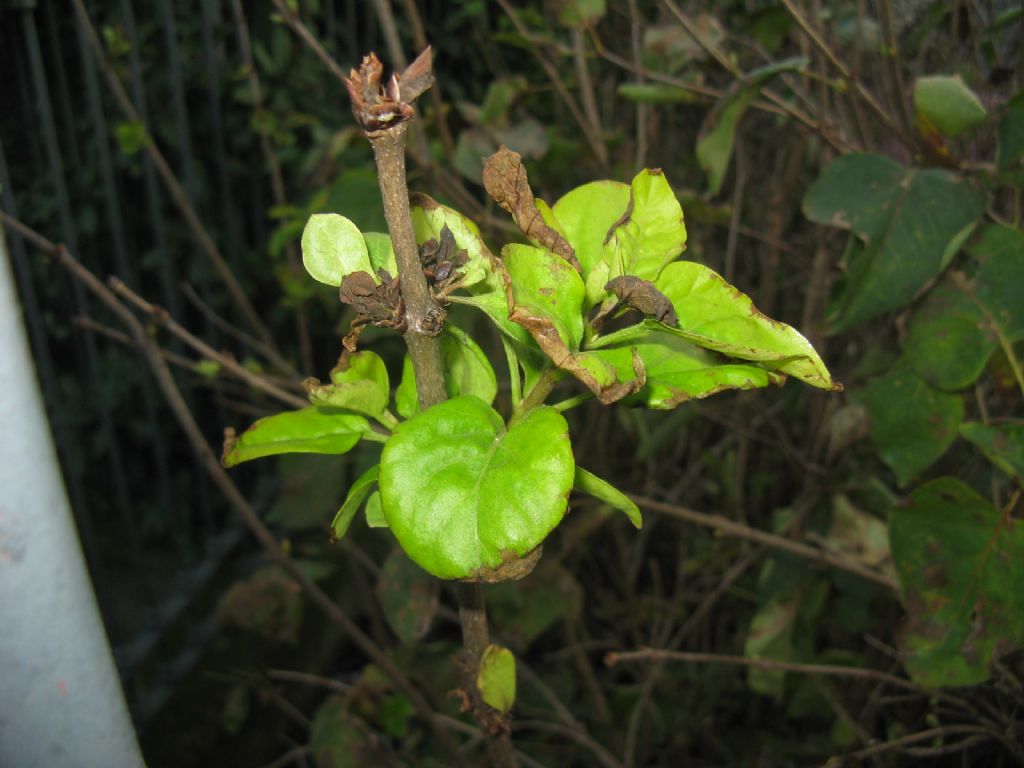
(462,494)
(332,248)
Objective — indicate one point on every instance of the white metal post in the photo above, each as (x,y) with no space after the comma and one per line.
(61,704)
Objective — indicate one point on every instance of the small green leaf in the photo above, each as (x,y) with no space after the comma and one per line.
(374,513)
(462,494)
(714,315)
(496,678)
(1002,444)
(408,595)
(467,371)
(910,222)
(310,430)
(362,386)
(912,424)
(333,247)
(948,104)
(580,13)
(714,144)
(356,495)
(655,93)
(601,489)
(961,563)
(381,253)
(547,293)
(407,400)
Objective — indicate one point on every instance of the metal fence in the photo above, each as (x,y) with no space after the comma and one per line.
(154,533)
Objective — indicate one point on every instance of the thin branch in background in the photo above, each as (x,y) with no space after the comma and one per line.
(86,322)
(892,55)
(976,733)
(586,84)
(590,132)
(230,330)
(419,37)
(175,189)
(276,177)
(731,528)
(854,82)
(161,317)
(739,190)
(211,463)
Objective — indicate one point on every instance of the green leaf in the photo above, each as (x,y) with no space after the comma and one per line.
(337,739)
(407,400)
(948,104)
(494,304)
(428,219)
(771,637)
(1011,134)
(362,387)
(714,315)
(912,424)
(1002,444)
(333,247)
(580,13)
(496,678)
(961,563)
(586,214)
(678,371)
(963,320)
(910,221)
(374,513)
(357,494)
(408,595)
(601,489)
(655,93)
(651,233)
(381,253)
(715,141)
(310,430)
(467,371)
(462,494)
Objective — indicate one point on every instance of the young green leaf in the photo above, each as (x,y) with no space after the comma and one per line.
(496,678)
(310,430)
(714,144)
(911,221)
(586,214)
(380,252)
(374,513)
(949,105)
(590,483)
(333,247)
(362,386)
(467,371)
(651,233)
(714,315)
(961,563)
(357,494)
(462,494)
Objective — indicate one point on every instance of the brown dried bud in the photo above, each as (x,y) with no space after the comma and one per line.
(379,305)
(378,107)
(442,262)
(643,296)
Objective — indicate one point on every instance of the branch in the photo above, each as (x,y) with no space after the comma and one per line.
(740,531)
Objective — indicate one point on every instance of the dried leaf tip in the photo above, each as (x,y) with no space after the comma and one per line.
(378,106)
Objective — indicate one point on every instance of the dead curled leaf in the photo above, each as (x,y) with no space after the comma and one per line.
(379,305)
(506,182)
(643,296)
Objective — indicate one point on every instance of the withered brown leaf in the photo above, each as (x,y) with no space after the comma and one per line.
(506,182)
(643,296)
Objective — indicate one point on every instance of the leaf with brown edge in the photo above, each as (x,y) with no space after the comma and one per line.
(545,296)
(506,182)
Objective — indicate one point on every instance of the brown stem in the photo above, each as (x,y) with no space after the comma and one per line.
(424,319)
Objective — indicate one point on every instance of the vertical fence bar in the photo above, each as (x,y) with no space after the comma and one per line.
(67,225)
